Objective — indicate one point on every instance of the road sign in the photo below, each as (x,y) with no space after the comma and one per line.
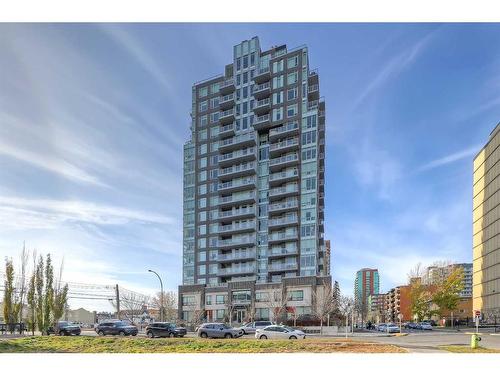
(477,313)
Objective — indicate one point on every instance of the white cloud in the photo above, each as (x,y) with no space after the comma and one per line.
(451,158)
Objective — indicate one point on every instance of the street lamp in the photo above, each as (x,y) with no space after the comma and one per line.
(161,294)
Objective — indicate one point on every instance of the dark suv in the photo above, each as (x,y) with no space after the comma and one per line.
(165,329)
(64,328)
(116,328)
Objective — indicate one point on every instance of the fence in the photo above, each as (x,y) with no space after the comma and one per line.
(12,328)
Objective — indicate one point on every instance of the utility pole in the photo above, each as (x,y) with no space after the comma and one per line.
(161,294)
(117,291)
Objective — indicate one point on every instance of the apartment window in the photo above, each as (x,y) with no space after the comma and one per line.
(202,135)
(203,106)
(292,62)
(291,94)
(308,261)
(291,110)
(278,97)
(202,162)
(202,216)
(214,102)
(309,137)
(212,254)
(202,256)
(296,295)
(214,173)
(214,117)
(202,189)
(310,122)
(245,109)
(308,230)
(202,92)
(214,133)
(212,268)
(202,202)
(188,300)
(202,176)
(238,63)
(292,78)
(262,313)
(278,82)
(214,89)
(238,80)
(278,66)
(252,59)
(309,154)
(220,299)
(202,270)
(208,299)
(261,296)
(202,149)
(278,114)
(219,314)
(204,120)
(202,229)
(245,62)
(309,183)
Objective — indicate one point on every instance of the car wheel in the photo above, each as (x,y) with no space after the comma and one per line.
(150,335)
(293,338)
(122,333)
(62,333)
(203,335)
(171,334)
(244,332)
(78,334)
(228,336)
(263,337)
(101,333)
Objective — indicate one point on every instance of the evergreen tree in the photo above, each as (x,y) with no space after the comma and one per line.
(8,301)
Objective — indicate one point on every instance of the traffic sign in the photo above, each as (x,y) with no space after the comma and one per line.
(477,313)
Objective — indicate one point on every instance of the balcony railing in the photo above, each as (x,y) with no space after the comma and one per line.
(282,266)
(279,251)
(284,159)
(236,212)
(239,139)
(294,203)
(236,198)
(237,270)
(284,144)
(291,126)
(283,175)
(283,236)
(262,119)
(313,88)
(284,190)
(237,168)
(237,241)
(249,253)
(236,226)
(237,154)
(290,219)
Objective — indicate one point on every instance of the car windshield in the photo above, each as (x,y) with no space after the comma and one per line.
(225,326)
(121,324)
(289,328)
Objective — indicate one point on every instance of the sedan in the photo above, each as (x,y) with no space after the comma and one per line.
(392,328)
(426,326)
(279,332)
(381,327)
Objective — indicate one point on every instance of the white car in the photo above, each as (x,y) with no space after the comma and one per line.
(426,326)
(279,332)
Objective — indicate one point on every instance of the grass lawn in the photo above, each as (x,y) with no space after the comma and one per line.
(82,344)
(467,349)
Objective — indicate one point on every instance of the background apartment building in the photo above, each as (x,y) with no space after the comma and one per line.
(486,228)
(366,283)
(436,274)
(254,186)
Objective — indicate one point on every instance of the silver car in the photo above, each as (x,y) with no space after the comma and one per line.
(279,332)
(218,330)
(251,327)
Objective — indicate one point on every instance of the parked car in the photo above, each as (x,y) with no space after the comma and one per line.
(392,328)
(279,332)
(164,329)
(116,328)
(426,326)
(381,327)
(251,327)
(64,328)
(218,330)
(431,322)
(412,325)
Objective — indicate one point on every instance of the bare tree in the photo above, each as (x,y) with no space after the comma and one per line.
(276,302)
(250,311)
(169,304)
(133,304)
(22,284)
(229,305)
(345,306)
(325,302)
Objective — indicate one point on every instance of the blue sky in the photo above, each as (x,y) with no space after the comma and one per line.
(93,118)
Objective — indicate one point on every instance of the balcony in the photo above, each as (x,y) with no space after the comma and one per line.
(227,87)
(283,221)
(287,205)
(262,75)
(240,198)
(238,241)
(313,92)
(237,213)
(284,176)
(312,105)
(262,122)
(283,161)
(279,252)
(237,256)
(237,227)
(282,267)
(261,91)
(247,154)
(292,128)
(227,130)
(262,106)
(238,170)
(236,270)
(227,101)
(313,78)
(288,144)
(228,116)
(237,185)
(284,191)
(275,237)
(237,142)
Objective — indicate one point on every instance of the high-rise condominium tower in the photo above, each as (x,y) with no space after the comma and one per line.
(366,283)
(486,229)
(254,188)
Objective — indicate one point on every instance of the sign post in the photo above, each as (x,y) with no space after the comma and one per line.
(477,314)
(400,316)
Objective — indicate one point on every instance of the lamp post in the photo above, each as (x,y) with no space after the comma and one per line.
(161,294)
